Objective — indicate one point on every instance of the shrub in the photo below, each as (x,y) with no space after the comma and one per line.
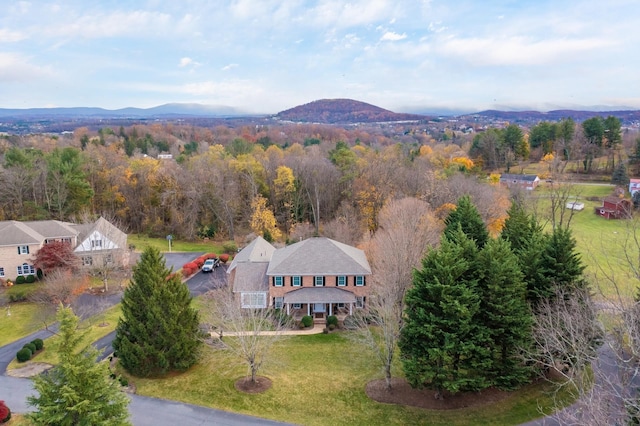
(5,413)
(30,279)
(281,318)
(31,347)
(199,261)
(307,321)
(20,279)
(325,330)
(350,323)
(18,296)
(229,247)
(332,320)
(224,258)
(211,256)
(123,381)
(38,343)
(24,354)
(331,326)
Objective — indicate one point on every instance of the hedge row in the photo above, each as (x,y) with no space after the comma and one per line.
(22,279)
(29,349)
(194,266)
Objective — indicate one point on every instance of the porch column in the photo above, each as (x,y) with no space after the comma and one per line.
(351,308)
(309,309)
(330,306)
(288,309)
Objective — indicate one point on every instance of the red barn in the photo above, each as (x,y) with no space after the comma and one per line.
(614,208)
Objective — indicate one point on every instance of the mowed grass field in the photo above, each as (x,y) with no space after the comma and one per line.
(319,380)
(603,244)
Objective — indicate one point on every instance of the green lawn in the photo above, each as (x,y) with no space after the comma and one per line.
(599,241)
(318,380)
(96,327)
(21,321)
(141,242)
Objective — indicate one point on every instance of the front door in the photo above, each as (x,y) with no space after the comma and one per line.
(318,310)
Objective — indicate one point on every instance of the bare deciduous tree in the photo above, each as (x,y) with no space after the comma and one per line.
(407,228)
(251,333)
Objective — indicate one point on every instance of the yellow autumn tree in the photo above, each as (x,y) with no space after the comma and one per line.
(263,222)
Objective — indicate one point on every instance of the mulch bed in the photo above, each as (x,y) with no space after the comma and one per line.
(260,385)
(403,394)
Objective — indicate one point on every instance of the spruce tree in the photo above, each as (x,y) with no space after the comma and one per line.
(504,312)
(79,390)
(561,264)
(442,344)
(158,330)
(467,217)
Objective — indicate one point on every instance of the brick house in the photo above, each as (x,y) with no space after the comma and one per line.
(317,276)
(634,186)
(615,208)
(20,242)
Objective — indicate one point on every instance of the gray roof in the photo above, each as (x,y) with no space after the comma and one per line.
(319,256)
(524,178)
(251,276)
(53,228)
(319,295)
(259,250)
(14,233)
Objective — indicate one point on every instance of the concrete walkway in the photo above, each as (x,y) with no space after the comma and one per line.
(316,329)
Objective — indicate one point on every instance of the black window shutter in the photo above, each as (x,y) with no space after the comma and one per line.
(27,249)
(18,249)
(323,281)
(337,278)
(364,280)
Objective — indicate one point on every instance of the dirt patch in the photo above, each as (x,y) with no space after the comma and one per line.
(29,370)
(403,394)
(247,386)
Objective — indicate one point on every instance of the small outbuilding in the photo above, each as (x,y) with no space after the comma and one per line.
(615,208)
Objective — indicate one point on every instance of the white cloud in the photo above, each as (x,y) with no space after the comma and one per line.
(8,36)
(391,36)
(518,50)
(17,68)
(229,67)
(184,62)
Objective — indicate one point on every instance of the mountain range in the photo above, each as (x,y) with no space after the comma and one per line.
(326,111)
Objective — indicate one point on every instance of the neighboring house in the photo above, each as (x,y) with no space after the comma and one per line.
(634,186)
(528,182)
(615,208)
(20,241)
(317,277)
(101,243)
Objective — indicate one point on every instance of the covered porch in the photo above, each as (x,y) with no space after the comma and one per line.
(319,303)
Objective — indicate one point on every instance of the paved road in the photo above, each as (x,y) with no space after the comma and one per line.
(144,411)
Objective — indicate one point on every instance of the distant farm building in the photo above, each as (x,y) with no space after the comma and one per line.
(615,208)
(528,182)
(634,186)
(574,205)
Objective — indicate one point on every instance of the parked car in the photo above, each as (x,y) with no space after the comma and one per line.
(210,265)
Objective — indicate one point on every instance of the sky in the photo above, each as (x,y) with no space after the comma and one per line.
(265,56)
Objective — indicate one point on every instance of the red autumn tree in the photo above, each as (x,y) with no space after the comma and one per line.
(56,255)
(5,413)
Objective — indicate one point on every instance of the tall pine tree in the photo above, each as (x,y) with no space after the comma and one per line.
(504,312)
(467,217)
(158,330)
(442,344)
(77,391)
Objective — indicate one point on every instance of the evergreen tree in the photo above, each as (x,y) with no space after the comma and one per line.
(620,176)
(78,391)
(561,265)
(158,330)
(442,344)
(467,217)
(504,312)
(528,244)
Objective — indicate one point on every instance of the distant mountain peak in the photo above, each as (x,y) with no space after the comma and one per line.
(339,111)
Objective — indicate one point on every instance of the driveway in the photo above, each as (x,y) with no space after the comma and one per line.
(144,411)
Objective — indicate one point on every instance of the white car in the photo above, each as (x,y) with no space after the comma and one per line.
(210,265)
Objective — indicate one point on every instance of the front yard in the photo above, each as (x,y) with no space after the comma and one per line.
(318,380)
